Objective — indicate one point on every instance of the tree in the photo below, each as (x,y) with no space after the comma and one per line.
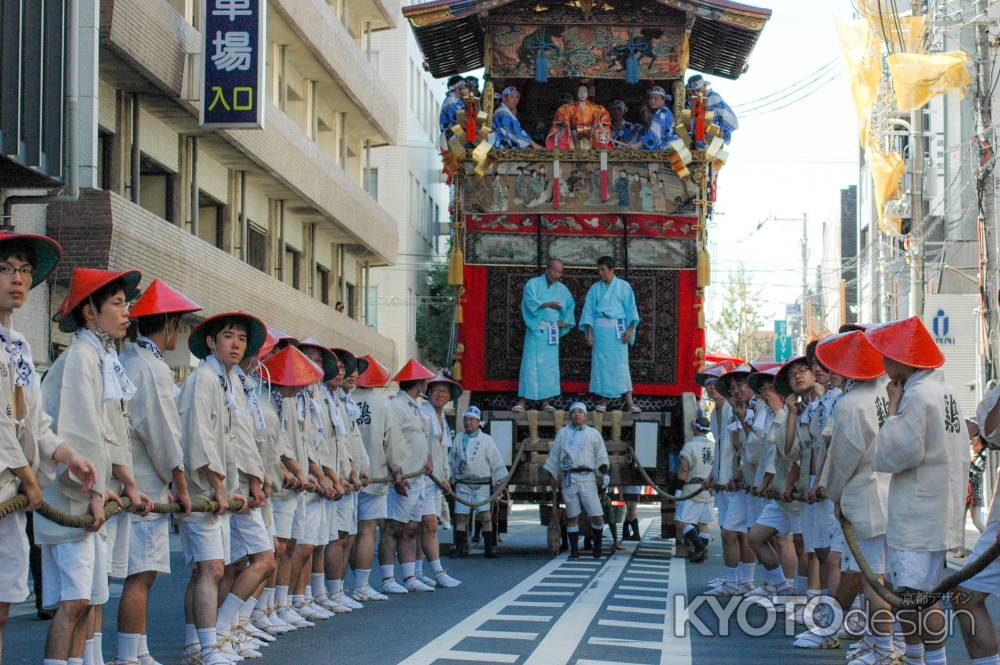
(737,325)
(435,316)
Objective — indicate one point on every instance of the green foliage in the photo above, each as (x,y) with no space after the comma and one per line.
(738,324)
(434,317)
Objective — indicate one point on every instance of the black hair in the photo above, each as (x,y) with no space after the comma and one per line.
(98,298)
(407,385)
(150,325)
(452,80)
(606,261)
(18,249)
(811,351)
(218,325)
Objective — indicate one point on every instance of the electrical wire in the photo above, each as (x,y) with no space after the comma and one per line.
(791,102)
(805,80)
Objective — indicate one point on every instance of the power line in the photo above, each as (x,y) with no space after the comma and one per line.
(828,81)
(805,80)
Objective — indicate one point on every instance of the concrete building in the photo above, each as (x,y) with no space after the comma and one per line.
(406,179)
(274,221)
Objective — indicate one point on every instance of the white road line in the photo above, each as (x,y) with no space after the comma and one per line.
(558,576)
(635,610)
(654,566)
(630,624)
(618,642)
(570,585)
(560,643)
(676,648)
(653,599)
(648,573)
(536,618)
(632,587)
(442,645)
(527,603)
(587,661)
(547,593)
(646,580)
(581,563)
(507,634)
(479,657)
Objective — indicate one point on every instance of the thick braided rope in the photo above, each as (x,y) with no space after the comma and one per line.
(659,490)
(492,497)
(20,502)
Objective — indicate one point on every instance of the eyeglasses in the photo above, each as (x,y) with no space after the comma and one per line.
(6,270)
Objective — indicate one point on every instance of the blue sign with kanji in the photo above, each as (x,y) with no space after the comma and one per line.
(782,348)
(233,43)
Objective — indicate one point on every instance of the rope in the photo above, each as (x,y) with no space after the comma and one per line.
(385,480)
(50,513)
(659,490)
(492,497)
(922,599)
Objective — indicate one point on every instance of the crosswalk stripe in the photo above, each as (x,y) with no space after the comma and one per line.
(630,624)
(561,584)
(588,661)
(646,580)
(504,634)
(529,603)
(635,610)
(632,587)
(650,573)
(534,618)
(625,596)
(480,657)
(560,576)
(655,566)
(618,642)
(547,593)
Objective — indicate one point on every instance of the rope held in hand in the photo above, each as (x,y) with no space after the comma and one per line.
(20,502)
(492,497)
(659,490)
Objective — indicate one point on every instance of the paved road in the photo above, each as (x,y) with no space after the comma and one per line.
(523,608)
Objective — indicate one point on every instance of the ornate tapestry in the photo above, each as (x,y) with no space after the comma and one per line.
(652,360)
(591,51)
(526,187)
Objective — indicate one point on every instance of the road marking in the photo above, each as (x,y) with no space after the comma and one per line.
(506,634)
(582,563)
(635,610)
(632,587)
(574,585)
(654,566)
(625,596)
(558,576)
(630,624)
(653,573)
(676,648)
(479,657)
(561,642)
(537,618)
(587,661)
(442,645)
(646,580)
(547,593)
(618,642)
(526,603)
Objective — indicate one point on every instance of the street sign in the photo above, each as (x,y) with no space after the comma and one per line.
(780,328)
(782,348)
(233,47)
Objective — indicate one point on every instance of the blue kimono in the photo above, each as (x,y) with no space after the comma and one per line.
(661,131)
(539,378)
(449,111)
(507,131)
(629,132)
(608,311)
(724,116)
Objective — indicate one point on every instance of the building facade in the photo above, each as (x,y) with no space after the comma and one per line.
(274,221)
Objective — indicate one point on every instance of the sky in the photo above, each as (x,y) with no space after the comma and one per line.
(784,162)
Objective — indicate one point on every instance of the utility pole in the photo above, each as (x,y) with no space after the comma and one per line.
(987,222)
(917,201)
(803,335)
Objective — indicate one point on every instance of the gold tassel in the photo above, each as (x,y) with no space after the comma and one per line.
(704,269)
(456,370)
(458,313)
(456,266)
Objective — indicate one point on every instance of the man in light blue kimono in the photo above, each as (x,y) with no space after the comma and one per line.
(723,114)
(623,132)
(458,89)
(507,131)
(660,132)
(609,320)
(548,310)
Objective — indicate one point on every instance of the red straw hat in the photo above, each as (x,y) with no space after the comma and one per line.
(47,253)
(712,372)
(374,376)
(84,283)
(781,383)
(850,355)
(757,378)
(330,368)
(743,371)
(270,341)
(764,365)
(454,386)
(906,341)
(413,371)
(291,368)
(256,333)
(161,298)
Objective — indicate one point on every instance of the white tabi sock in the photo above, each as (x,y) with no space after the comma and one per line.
(246,609)
(731,574)
(75,661)
(989,660)
(812,593)
(191,635)
(318,583)
(227,613)
(774,577)
(935,657)
(53,661)
(128,647)
(418,567)
(388,571)
(207,639)
(882,642)
(99,648)
(801,584)
(307,594)
(143,646)
(280,596)
(88,653)
(436,566)
(914,654)
(334,588)
(261,604)
(408,569)
(361,577)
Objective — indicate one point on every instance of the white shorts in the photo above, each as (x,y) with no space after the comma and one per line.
(372,506)
(149,544)
(695,512)
(472,494)
(722,505)
(755,506)
(283,516)
(77,570)
(736,514)
(430,499)
(205,537)
(248,535)
(347,514)
(988,580)
(307,528)
(915,570)
(118,529)
(779,519)
(872,549)
(581,496)
(13,552)
(839,545)
(329,527)
(406,508)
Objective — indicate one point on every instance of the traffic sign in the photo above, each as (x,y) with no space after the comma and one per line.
(780,328)
(782,348)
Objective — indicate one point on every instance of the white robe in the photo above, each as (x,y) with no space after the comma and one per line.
(698,453)
(580,448)
(722,464)
(441,443)
(380,435)
(926,449)
(776,461)
(414,431)
(477,458)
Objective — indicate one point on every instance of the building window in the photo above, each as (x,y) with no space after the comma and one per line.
(351,299)
(156,188)
(375,61)
(293,266)
(371,182)
(104,159)
(371,307)
(256,246)
(323,281)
